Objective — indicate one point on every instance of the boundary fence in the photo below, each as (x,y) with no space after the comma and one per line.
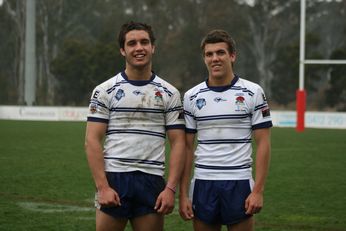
(334,120)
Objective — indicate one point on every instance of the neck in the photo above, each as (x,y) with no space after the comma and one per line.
(138,73)
(220,81)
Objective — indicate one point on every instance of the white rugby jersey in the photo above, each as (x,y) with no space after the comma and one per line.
(223,118)
(138,113)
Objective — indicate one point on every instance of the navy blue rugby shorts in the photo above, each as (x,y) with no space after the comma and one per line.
(220,201)
(138,192)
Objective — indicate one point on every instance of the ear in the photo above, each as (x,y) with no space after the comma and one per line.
(233,56)
(153,49)
(122,51)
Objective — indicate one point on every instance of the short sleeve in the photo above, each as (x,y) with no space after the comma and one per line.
(174,112)
(261,113)
(191,125)
(98,107)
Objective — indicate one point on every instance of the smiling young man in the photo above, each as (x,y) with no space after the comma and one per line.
(225,112)
(129,117)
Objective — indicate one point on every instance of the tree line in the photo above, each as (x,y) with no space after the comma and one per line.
(77,47)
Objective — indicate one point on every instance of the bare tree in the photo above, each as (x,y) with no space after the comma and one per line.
(16,10)
(268,24)
(57,20)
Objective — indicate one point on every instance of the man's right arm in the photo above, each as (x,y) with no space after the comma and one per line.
(95,133)
(185,205)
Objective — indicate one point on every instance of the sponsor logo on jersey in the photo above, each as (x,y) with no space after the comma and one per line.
(200,103)
(219,99)
(120,94)
(265,112)
(138,92)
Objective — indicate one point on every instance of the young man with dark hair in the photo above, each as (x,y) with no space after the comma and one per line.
(225,112)
(129,117)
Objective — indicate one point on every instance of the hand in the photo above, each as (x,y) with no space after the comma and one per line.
(165,202)
(108,197)
(254,203)
(185,208)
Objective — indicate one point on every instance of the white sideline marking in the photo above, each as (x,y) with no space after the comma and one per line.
(52,208)
(59,208)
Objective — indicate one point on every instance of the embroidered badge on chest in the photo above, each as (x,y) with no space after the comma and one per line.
(120,94)
(200,103)
(158,98)
(240,103)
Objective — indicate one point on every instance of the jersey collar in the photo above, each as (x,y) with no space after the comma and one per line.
(223,88)
(138,82)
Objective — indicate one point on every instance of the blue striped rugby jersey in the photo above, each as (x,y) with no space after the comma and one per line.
(138,113)
(223,119)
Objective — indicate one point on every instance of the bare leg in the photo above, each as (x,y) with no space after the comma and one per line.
(149,222)
(199,225)
(105,222)
(245,225)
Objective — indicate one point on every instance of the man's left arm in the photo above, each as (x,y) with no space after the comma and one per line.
(166,199)
(254,202)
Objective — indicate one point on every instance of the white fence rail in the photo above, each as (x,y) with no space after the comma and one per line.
(335,120)
(43,113)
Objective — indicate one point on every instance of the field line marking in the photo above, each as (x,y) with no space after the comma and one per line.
(52,208)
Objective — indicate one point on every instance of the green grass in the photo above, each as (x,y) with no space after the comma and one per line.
(45,183)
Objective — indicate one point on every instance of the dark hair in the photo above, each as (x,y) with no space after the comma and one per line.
(218,36)
(127,27)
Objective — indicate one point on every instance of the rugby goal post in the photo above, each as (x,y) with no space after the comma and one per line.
(301,92)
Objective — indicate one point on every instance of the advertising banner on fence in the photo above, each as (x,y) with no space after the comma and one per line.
(43,113)
(280,118)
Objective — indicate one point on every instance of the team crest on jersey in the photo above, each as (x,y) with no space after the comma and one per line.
(93,108)
(158,98)
(240,103)
(158,95)
(219,99)
(120,94)
(200,103)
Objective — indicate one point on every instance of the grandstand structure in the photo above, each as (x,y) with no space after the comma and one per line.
(301,93)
